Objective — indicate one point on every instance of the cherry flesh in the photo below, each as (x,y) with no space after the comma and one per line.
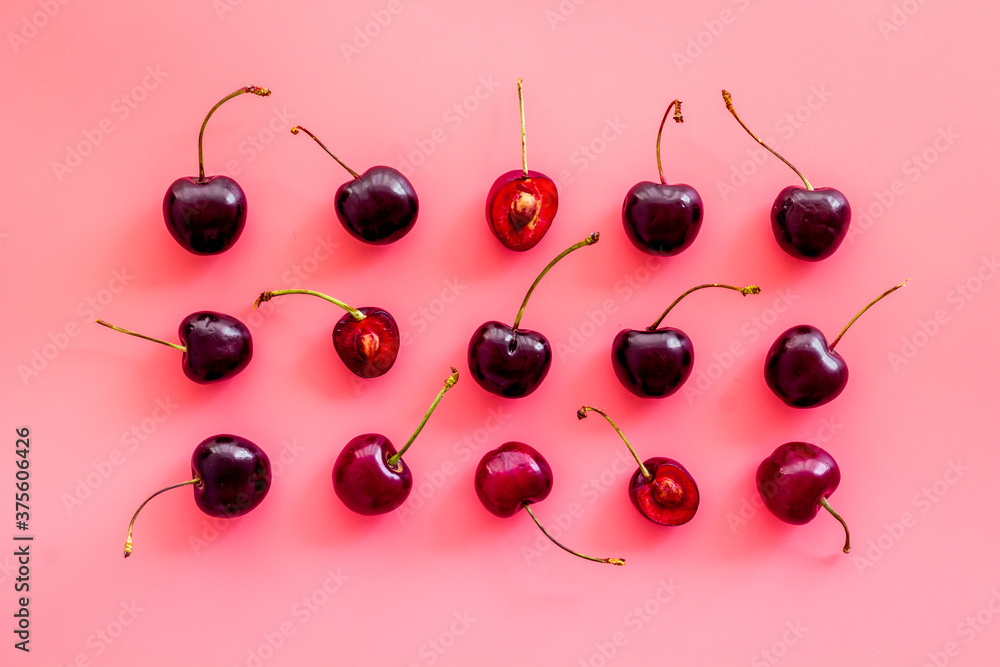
(370,476)
(206,215)
(366,339)
(796,480)
(231,476)
(512,362)
(521,204)
(661,219)
(377,207)
(215,346)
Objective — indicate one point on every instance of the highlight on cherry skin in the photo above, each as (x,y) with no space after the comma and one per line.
(661,489)
(808,224)
(377,207)
(803,370)
(366,339)
(370,476)
(655,362)
(206,215)
(230,476)
(796,480)
(522,203)
(215,346)
(513,477)
(662,219)
(509,361)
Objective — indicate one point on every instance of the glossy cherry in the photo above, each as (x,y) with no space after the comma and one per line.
(206,215)
(521,204)
(215,346)
(370,476)
(654,363)
(512,362)
(803,370)
(662,219)
(366,339)
(808,224)
(377,207)
(231,476)
(796,480)
(513,476)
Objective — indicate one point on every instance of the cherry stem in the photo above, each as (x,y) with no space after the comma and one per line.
(524,136)
(590,240)
(582,414)
(295,130)
(143,336)
(256,90)
(267,296)
(678,118)
(729,105)
(749,289)
(847,540)
(448,384)
(612,561)
(128,540)
(880,297)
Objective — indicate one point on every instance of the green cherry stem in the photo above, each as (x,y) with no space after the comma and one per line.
(590,240)
(448,384)
(729,105)
(143,336)
(298,128)
(847,533)
(749,289)
(256,90)
(862,312)
(267,296)
(612,561)
(678,118)
(524,136)
(582,414)
(128,540)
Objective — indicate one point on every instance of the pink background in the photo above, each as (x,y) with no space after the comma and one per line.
(892,103)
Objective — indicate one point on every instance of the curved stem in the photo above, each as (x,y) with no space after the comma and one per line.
(678,118)
(749,289)
(128,540)
(267,296)
(256,90)
(862,312)
(847,533)
(590,240)
(448,384)
(582,414)
(143,336)
(524,136)
(612,561)
(295,130)
(729,105)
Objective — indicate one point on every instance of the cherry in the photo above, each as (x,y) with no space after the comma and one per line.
(231,476)
(808,224)
(510,362)
(366,339)
(655,363)
(802,370)
(662,219)
(662,490)
(796,480)
(377,207)
(215,346)
(207,215)
(513,476)
(521,204)
(370,476)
